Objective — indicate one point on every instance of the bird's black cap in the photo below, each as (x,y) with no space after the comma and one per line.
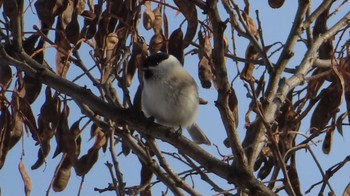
(155,59)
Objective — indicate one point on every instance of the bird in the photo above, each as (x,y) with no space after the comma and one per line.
(170,95)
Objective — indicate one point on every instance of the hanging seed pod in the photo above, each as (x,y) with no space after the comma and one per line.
(176,45)
(158,20)
(148,16)
(205,72)
(157,43)
(276,3)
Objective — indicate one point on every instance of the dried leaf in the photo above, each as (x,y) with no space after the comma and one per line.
(146,177)
(62,58)
(63,173)
(85,163)
(265,170)
(32,88)
(5,77)
(48,10)
(73,29)
(261,159)
(16,129)
(276,3)
(64,138)
(157,43)
(100,137)
(29,43)
(88,16)
(24,110)
(111,44)
(205,72)
(294,179)
(189,10)
(80,6)
(11,9)
(340,122)
(148,16)
(251,25)
(314,85)
(233,105)
(26,178)
(49,116)
(76,131)
(158,20)
(250,54)
(327,106)
(328,140)
(43,151)
(5,133)
(176,45)
(138,55)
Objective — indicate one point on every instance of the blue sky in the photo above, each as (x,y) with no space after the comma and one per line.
(276,25)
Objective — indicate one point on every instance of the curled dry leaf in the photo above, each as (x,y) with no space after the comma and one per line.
(43,151)
(64,138)
(75,131)
(85,163)
(49,116)
(288,125)
(327,106)
(29,43)
(63,44)
(189,10)
(251,25)
(265,170)
(138,55)
(111,44)
(100,137)
(16,129)
(314,86)
(176,45)
(80,6)
(25,112)
(88,16)
(251,54)
(72,30)
(148,16)
(67,14)
(26,178)
(48,10)
(63,173)
(157,43)
(276,3)
(158,20)
(205,72)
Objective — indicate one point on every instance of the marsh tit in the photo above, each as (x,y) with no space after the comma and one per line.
(170,95)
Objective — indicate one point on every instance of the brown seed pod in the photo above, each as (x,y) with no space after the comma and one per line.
(26,178)
(148,16)
(176,45)
(157,43)
(276,3)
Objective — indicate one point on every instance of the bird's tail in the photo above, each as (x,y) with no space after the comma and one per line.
(197,135)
